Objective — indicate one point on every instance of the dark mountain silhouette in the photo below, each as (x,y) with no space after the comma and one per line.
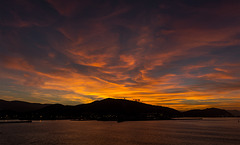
(107,109)
(127,110)
(235,113)
(209,112)
(20,106)
(123,106)
(55,111)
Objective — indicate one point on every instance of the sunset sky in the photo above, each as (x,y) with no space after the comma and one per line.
(183,54)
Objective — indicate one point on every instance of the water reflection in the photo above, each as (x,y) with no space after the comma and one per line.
(206,131)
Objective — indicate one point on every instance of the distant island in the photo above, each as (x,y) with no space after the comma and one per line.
(104,110)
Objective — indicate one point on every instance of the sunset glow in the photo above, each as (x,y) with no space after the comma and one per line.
(179,54)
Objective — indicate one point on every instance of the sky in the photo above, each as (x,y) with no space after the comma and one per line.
(183,54)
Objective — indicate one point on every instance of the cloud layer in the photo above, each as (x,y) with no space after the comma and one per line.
(181,54)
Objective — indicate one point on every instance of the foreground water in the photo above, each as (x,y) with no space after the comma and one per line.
(209,131)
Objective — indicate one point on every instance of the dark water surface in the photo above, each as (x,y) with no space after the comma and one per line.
(209,131)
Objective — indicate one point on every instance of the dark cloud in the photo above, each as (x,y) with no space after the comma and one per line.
(176,90)
(165,51)
(227,54)
(215,86)
(27,13)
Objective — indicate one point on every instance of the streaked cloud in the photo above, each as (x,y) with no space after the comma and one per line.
(180,54)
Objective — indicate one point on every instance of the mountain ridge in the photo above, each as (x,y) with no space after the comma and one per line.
(208,112)
(106,109)
(20,106)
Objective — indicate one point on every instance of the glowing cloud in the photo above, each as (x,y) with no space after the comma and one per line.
(178,54)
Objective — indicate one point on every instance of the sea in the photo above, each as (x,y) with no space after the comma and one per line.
(208,131)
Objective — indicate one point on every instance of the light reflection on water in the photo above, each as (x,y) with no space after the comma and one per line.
(207,131)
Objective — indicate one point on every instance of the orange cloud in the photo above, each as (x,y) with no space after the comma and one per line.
(76,52)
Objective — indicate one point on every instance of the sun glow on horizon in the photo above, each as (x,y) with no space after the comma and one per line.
(77,52)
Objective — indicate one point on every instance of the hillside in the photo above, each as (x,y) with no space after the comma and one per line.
(235,113)
(107,109)
(124,106)
(20,106)
(209,112)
